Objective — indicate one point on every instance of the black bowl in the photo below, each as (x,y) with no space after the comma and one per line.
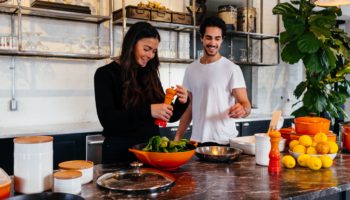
(218,153)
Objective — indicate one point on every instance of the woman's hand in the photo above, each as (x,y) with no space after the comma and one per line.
(182,94)
(161,111)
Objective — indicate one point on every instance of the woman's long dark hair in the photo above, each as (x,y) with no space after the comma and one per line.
(151,91)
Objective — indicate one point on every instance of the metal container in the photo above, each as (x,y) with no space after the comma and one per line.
(33,164)
(228,13)
(218,153)
(246,19)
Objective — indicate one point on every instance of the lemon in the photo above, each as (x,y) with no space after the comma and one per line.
(326,160)
(311,150)
(314,144)
(305,140)
(333,147)
(320,137)
(302,159)
(288,161)
(299,149)
(293,143)
(314,163)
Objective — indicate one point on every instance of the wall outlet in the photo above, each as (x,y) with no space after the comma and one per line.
(13,105)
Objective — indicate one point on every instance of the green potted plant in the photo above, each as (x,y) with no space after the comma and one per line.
(311,35)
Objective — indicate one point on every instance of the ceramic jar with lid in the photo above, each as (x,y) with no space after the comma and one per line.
(33,164)
(67,181)
(84,166)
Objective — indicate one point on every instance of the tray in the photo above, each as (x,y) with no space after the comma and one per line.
(133,12)
(60,6)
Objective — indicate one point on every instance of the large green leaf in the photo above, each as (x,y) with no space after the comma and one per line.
(291,54)
(299,90)
(284,9)
(330,56)
(308,43)
(284,37)
(321,33)
(294,25)
(324,22)
(312,63)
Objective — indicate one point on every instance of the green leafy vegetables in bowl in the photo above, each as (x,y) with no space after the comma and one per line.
(163,144)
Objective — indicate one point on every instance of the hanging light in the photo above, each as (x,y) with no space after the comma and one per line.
(331,2)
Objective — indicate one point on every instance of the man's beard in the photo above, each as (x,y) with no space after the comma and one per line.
(210,54)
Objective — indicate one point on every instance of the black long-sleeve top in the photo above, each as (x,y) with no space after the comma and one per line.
(117,121)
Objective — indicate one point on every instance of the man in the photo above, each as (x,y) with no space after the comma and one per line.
(217,91)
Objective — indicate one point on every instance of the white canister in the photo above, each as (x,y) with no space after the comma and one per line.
(68,181)
(262,149)
(33,164)
(84,166)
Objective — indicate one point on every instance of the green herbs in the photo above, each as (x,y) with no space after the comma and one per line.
(163,144)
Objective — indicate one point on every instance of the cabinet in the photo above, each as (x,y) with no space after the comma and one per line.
(32,43)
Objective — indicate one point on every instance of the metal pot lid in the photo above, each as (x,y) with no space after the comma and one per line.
(137,180)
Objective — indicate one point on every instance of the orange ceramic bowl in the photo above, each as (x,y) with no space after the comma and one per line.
(311,125)
(5,185)
(161,160)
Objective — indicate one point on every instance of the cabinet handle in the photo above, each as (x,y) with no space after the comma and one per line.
(173,129)
(246,124)
(95,142)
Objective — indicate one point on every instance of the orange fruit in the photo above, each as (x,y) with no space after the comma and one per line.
(322,148)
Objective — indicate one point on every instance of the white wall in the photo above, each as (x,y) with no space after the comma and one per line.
(53,91)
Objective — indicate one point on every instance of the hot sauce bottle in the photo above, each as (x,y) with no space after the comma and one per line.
(169,97)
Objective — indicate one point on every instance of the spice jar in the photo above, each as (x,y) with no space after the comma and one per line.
(68,181)
(33,164)
(84,166)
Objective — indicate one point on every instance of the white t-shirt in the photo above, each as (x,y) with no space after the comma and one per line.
(211,87)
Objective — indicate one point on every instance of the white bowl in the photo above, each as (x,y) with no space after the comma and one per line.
(296,155)
(247,144)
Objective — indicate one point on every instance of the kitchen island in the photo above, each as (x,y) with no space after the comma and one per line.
(242,179)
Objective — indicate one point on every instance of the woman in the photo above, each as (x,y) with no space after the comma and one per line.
(129,95)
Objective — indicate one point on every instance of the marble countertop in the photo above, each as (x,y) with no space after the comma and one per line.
(86,127)
(242,179)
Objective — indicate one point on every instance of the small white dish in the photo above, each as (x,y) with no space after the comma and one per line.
(247,144)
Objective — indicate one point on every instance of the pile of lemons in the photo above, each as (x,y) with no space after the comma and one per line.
(306,146)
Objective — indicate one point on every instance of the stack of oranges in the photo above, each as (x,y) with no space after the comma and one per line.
(306,146)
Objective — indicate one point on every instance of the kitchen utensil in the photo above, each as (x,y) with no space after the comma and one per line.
(165,161)
(5,184)
(47,195)
(33,164)
(218,153)
(68,181)
(137,180)
(276,115)
(84,166)
(248,144)
(311,125)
